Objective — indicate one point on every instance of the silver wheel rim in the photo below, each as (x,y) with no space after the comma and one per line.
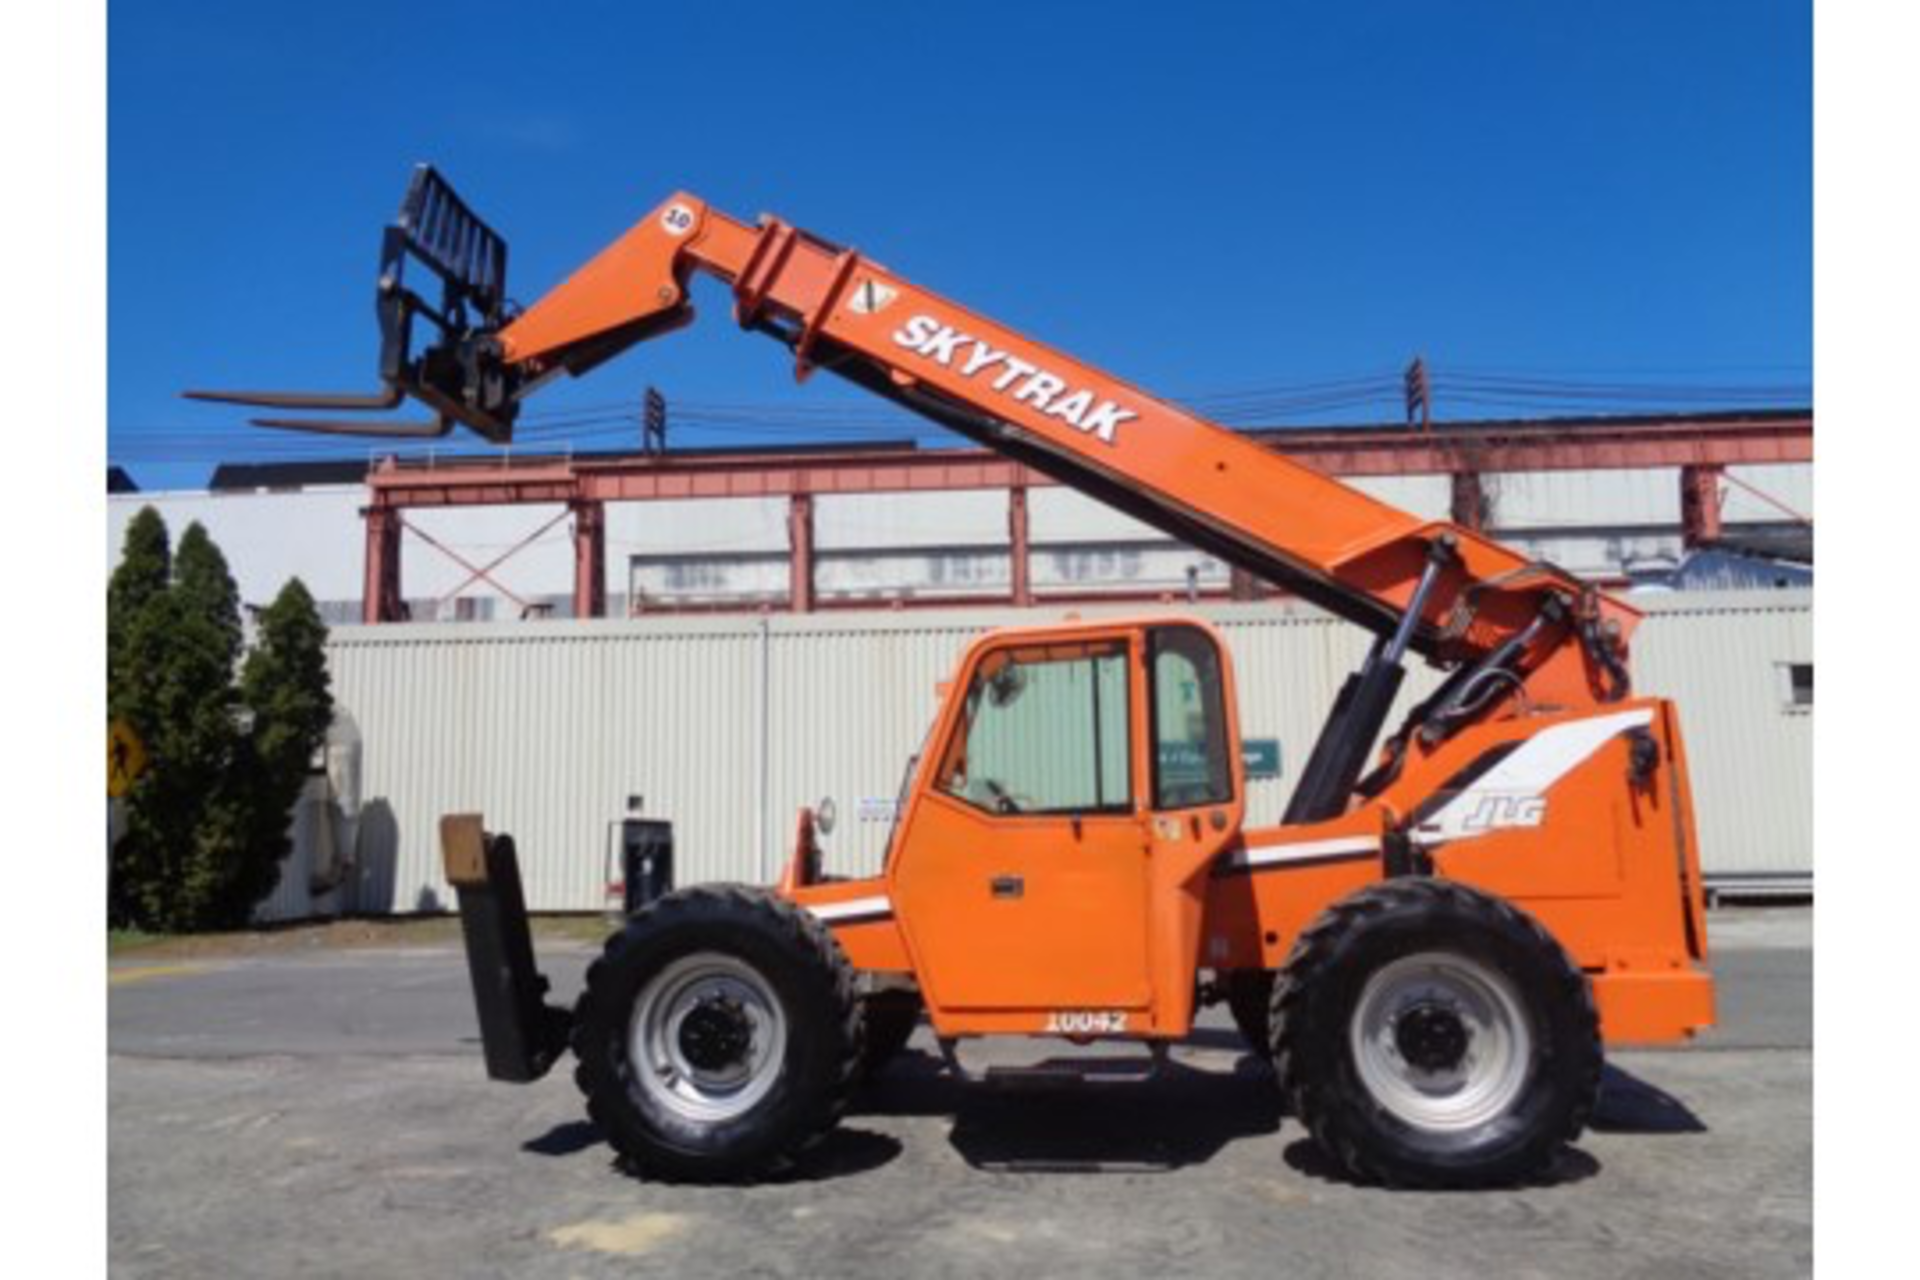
(671,1066)
(1468,1000)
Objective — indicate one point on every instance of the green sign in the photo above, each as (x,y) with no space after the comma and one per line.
(1260,757)
(1184,764)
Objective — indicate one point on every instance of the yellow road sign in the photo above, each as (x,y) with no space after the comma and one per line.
(126,758)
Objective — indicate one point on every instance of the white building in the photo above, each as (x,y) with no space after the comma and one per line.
(876,550)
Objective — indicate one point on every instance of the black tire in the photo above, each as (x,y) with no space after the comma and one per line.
(760,987)
(890,1018)
(1250,1001)
(1491,1002)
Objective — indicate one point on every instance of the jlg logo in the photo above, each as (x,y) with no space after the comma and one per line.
(1496,811)
(1046,393)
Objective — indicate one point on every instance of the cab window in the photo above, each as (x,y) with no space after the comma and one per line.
(1190,762)
(1044,730)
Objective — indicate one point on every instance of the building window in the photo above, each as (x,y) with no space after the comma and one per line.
(720,578)
(1797,677)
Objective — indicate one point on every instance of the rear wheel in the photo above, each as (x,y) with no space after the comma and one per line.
(1430,1035)
(718,1035)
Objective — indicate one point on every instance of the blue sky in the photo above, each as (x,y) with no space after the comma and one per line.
(1200,198)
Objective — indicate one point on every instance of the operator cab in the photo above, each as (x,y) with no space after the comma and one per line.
(1081,771)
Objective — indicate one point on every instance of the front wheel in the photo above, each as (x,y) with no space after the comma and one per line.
(1430,1035)
(718,1035)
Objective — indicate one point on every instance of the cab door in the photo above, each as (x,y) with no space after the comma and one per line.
(1023,883)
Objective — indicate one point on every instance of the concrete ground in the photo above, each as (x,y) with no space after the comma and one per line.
(326,1114)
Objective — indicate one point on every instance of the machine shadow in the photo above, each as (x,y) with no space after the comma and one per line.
(845,1152)
(566,1139)
(1181,1117)
(1184,1116)
(1571,1166)
(1629,1104)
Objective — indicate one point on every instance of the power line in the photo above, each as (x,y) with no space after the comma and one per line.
(1523,390)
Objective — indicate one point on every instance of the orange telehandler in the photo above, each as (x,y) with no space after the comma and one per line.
(1431,946)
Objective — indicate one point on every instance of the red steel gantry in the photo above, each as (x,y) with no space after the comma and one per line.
(1702,447)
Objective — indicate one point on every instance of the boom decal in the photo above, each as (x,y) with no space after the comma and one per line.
(1024,381)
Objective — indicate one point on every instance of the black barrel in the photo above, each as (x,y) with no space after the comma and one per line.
(646,860)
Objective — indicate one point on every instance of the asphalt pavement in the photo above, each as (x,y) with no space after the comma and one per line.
(327,1114)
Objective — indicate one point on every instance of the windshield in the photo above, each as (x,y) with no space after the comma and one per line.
(1044,730)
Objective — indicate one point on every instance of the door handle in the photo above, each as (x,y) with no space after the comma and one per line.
(1008,886)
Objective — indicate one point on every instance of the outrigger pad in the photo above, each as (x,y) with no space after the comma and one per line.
(521,1034)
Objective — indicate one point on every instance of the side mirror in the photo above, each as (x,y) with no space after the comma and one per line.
(1006,685)
(825,815)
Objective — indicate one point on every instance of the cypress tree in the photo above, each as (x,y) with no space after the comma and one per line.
(179,695)
(218,818)
(146,566)
(201,576)
(285,685)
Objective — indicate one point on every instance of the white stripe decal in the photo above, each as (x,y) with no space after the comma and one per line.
(1306,851)
(1513,792)
(829,912)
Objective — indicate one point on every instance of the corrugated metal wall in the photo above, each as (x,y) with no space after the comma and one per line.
(728,725)
(1723,656)
(547,729)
